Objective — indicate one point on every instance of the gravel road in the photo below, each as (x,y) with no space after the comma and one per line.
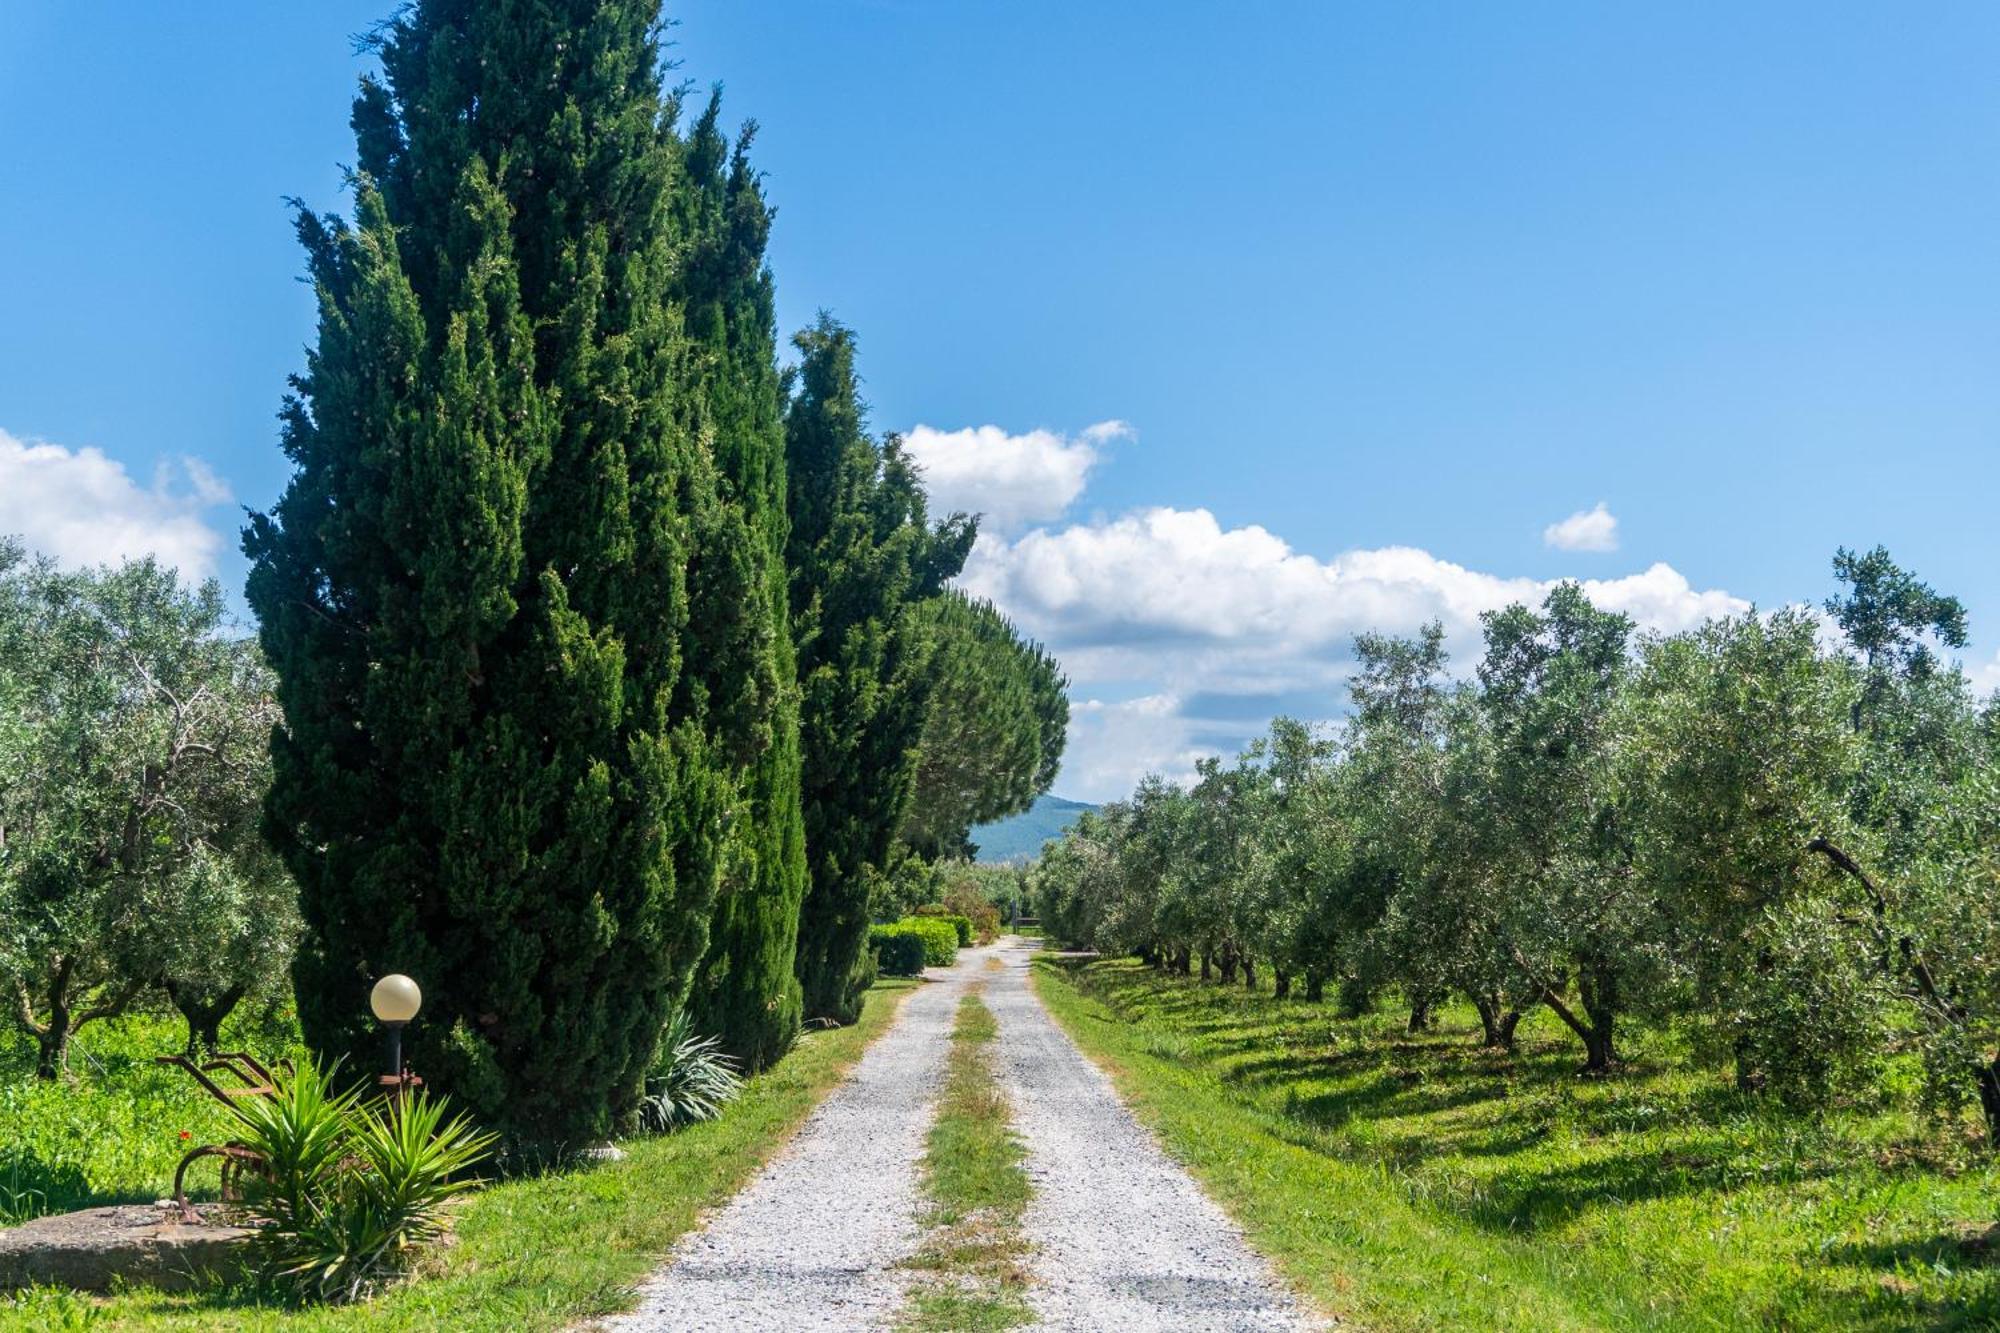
(1123,1239)
(813,1241)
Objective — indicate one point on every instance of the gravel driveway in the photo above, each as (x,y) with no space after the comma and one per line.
(1123,1239)
(813,1240)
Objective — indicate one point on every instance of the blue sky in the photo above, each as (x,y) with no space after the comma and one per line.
(1379,293)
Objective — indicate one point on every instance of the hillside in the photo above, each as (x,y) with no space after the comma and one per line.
(1019,838)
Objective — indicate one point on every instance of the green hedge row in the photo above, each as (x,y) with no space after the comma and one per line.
(937,912)
(914,943)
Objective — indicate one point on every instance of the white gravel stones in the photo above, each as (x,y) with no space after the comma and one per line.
(813,1241)
(1122,1237)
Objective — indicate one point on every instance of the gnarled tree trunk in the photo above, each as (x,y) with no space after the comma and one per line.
(204,1014)
(1496,1021)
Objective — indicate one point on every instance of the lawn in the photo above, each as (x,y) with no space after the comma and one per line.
(1415,1182)
(533,1253)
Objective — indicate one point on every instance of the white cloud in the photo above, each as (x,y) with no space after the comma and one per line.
(1012,480)
(1585,530)
(1176,577)
(1216,629)
(82,508)
(1113,745)
(1985,677)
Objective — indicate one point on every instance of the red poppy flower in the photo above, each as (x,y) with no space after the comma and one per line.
(185,1134)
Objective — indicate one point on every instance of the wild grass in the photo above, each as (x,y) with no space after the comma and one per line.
(533,1253)
(972,1275)
(1416,1182)
(110,1130)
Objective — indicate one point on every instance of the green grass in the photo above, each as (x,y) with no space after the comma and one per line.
(1415,1182)
(973,1279)
(110,1131)
(533,1253)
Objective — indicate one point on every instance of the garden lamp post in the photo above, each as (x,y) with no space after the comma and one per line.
(395,1001)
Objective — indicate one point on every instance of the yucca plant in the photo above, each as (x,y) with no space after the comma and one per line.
(301,1133)
(691,1079)
(353,1189)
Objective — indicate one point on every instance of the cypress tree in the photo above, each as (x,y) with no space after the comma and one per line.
(862,554)
(510,616)
(747,991)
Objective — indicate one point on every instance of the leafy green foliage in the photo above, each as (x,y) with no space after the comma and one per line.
(958,921)
(898,952)
(940,936)
(518,592)
(132,765)
(353,1189)
(861,554)
(1779,851)
(691,1080)
(936,944)
(746,990)
(995,720)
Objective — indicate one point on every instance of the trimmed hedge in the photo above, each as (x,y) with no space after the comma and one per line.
(937,937)
(940,939)
(961,924)
(898,952)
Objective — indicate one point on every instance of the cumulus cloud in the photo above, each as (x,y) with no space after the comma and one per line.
(1012,480)
(1985,677)
(1211,631)
(1176,579)
(1585,530)
(83,508)
(1112,745)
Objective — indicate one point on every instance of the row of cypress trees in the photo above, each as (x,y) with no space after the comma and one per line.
(590,629)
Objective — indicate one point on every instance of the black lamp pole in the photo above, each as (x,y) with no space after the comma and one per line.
(396,1053)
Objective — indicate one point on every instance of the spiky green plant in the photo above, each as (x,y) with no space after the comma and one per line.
(354,1189)
(691,1080)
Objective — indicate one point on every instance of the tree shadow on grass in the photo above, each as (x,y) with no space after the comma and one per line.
(1531,1198)
(31,1187)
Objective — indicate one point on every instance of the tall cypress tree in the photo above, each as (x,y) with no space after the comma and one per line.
(513,623)
(747,991)
(862,554)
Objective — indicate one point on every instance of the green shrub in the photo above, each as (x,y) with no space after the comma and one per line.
(354,1189)
(899,951)
(690,1081)
(963,925)
(940,939)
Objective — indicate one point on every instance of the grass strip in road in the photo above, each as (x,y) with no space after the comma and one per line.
(972,1274)
(536,1253)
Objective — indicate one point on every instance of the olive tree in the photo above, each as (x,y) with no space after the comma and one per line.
(133,763)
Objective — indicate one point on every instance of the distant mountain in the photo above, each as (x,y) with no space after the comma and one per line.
(1018,838)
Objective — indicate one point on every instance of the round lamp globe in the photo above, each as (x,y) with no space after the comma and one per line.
(395,999)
